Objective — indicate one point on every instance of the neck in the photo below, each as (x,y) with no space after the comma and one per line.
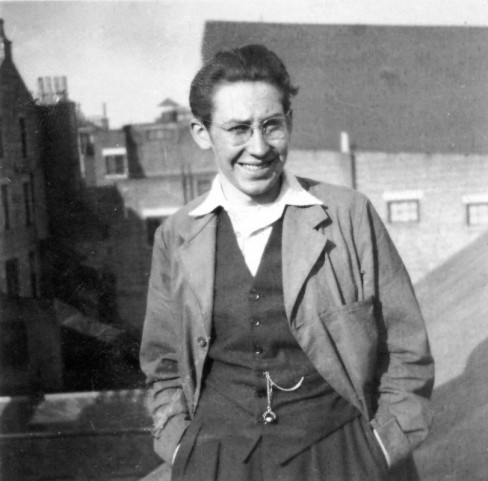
(240,200)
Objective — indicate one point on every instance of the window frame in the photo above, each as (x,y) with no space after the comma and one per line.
(392,202)
(12,277)
(469,214)
(23,136)
(5,194)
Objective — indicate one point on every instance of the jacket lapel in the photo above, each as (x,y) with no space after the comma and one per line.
(303,242)
(197,256)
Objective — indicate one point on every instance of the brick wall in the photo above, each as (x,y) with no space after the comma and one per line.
(21,176)
(441,179)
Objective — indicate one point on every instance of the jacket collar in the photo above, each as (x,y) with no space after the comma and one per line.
(304,240)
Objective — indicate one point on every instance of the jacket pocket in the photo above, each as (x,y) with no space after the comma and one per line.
(354,330)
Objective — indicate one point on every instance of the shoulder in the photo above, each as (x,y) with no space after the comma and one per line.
(335,197)
(180,221)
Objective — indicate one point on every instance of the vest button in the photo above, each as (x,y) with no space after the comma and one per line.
(255,322)
(258,350)
(202,342)
(254,295)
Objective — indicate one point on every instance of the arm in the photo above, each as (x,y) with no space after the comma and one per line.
(159,357)
(406,369)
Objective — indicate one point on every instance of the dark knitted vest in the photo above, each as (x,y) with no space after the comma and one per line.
(251,335)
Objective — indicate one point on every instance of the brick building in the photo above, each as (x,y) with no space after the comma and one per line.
(132,179)
(23,221)
(26,322)
(398,113)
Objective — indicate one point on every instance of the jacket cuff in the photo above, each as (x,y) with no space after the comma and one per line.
(168,438)
(393,440)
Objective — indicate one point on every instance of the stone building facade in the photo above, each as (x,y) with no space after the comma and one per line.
(26,321)
(23,221)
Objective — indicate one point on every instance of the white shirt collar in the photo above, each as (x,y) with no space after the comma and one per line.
(292,193)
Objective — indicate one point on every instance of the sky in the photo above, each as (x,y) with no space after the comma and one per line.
(131,55)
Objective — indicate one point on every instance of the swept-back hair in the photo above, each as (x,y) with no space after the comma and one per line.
(249,63)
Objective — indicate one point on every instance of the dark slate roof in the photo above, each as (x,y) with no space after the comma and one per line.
(392,88)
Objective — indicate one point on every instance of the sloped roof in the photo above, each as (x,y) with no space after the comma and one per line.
(392,88)
(454,301)
(168,103)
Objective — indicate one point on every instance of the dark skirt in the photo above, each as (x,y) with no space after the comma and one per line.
(350,453)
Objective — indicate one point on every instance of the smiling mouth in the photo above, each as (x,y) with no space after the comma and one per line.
(256,167)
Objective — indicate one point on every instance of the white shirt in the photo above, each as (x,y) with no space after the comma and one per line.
(252,224)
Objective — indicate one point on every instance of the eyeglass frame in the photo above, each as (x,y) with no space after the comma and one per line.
(251,127)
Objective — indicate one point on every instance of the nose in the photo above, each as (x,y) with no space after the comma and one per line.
(257,145)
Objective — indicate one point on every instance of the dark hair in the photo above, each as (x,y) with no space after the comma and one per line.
(249,63)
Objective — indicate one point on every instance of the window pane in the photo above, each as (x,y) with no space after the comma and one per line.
(23,136)
(403,211)
(12,274)
(478,214)
(115,164)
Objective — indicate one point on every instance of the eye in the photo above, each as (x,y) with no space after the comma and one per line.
(274,124)
(239,129)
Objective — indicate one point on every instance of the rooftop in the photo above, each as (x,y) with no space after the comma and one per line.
(393,89)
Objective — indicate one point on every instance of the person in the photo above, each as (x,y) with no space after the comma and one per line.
(282,339)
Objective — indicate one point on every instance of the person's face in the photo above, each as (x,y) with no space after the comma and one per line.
(255,167)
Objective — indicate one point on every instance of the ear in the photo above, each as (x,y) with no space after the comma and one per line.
(200,134)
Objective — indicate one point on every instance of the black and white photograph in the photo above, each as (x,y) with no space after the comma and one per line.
(243,240)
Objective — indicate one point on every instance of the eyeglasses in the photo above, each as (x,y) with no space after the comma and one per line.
(274,128)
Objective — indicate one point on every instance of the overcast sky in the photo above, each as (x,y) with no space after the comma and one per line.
(132,55)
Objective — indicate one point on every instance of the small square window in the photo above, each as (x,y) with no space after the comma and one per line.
(403,211)
(115,164)
(477,213)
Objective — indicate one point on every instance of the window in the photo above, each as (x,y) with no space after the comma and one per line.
(27,203)
(115,161)
(33,273)
(115,164)
(403,211)
(12,274)
(33,192)
(477,213)
(6,207)
(152,223)
(23,136)
(87,145)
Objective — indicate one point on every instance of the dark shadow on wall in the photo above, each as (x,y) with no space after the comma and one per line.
(457,446)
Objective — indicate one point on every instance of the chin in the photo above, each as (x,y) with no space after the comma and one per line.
(262,191)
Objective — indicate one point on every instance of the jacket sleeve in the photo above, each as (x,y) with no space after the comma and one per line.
(405,365)
(159,357)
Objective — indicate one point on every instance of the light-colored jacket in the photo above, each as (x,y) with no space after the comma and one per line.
(348,299)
